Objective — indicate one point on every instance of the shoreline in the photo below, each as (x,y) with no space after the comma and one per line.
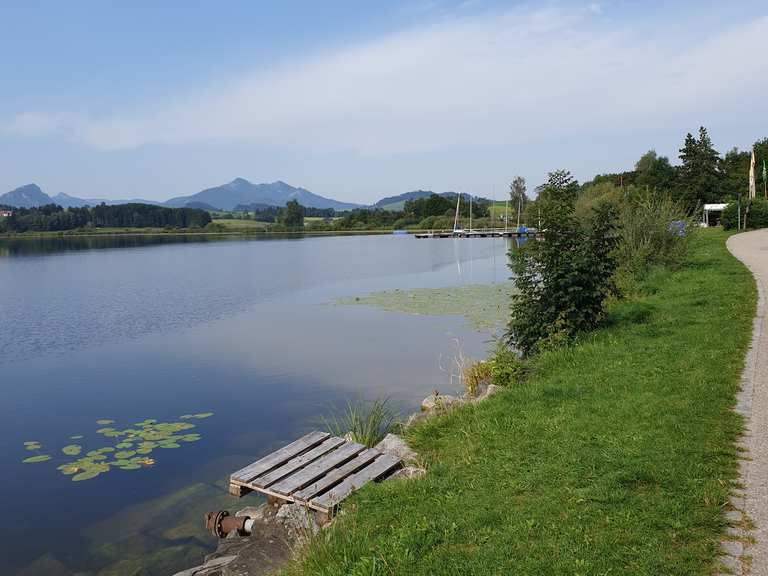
(158,232)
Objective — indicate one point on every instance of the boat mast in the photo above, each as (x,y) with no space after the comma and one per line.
(470,212)
(456,218)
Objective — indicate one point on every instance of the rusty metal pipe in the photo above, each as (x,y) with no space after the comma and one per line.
(221,524)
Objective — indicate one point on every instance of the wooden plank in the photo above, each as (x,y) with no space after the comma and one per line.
(278,457)
(317,469)
(266,480)
(376,469)
(336,475)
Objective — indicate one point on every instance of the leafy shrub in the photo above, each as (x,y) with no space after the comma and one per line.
(507,369)
(562,281)
(757,216)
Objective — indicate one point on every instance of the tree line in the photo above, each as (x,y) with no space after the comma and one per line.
(703,176)
(54,218)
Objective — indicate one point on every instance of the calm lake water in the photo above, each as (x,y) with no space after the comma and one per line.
(134,328)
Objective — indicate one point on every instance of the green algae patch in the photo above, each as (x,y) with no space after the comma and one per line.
(127,449)
(486,306)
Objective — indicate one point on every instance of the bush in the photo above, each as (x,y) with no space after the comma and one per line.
(507,369)
(757,216)
(562,281)
(655,230)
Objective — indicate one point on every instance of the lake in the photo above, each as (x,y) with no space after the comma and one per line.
(124,329)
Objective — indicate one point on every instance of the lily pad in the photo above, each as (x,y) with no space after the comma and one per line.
(124,445)
(87,475)
(169,445)
(34,459)
(104,421)
(130,467)
(33,446)
(72,449)
(202,415)
(76,437)
(124,454)
(189,437)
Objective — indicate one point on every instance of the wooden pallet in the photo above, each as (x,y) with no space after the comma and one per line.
(317,470)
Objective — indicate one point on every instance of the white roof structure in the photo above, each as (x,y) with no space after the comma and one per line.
(714,207)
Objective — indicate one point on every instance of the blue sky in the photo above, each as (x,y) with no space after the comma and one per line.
(358,100)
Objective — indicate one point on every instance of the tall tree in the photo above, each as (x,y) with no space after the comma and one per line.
(761,159)
(700,180)
(518,198)
(655,172)
(735,170)
(560,187)
(293,215)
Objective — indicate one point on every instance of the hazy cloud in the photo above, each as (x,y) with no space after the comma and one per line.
(462,82)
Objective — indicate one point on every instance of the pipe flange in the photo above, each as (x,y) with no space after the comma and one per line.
(213,522)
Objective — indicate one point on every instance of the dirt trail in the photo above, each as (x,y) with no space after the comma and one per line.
(752,249)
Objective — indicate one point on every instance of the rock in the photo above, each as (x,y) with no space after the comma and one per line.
(297,519)
(263,513)
(408,473)
(395,446)
(490,390)
(438,402)
(210,568)
(418,417)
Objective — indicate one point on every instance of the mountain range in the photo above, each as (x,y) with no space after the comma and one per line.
(238,193)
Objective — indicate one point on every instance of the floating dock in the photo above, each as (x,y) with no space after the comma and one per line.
(480,233)
(317,471)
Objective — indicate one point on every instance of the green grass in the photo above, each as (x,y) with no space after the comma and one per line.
(241,225)
(367,423)
(616,457)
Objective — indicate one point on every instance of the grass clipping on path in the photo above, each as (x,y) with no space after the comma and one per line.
(616,457)
(486,306)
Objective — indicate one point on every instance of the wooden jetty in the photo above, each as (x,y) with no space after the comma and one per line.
(317,471)
(479,233)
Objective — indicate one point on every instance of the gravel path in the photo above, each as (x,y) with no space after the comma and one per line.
(740,555)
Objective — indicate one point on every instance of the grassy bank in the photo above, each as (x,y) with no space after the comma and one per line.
(615,458)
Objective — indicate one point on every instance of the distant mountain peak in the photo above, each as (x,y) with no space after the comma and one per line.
(25,196)
(241,192)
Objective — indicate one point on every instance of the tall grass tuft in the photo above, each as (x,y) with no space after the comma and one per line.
(365,423)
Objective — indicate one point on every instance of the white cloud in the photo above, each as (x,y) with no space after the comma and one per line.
(479,81)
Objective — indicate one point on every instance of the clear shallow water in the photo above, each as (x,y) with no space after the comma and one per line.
(129,329)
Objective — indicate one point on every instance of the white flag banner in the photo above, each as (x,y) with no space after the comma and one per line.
(752,176)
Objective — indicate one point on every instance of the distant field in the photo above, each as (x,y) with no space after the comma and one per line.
(232,225)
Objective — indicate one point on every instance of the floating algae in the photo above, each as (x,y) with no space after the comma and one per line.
(486,306)
(130,451)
